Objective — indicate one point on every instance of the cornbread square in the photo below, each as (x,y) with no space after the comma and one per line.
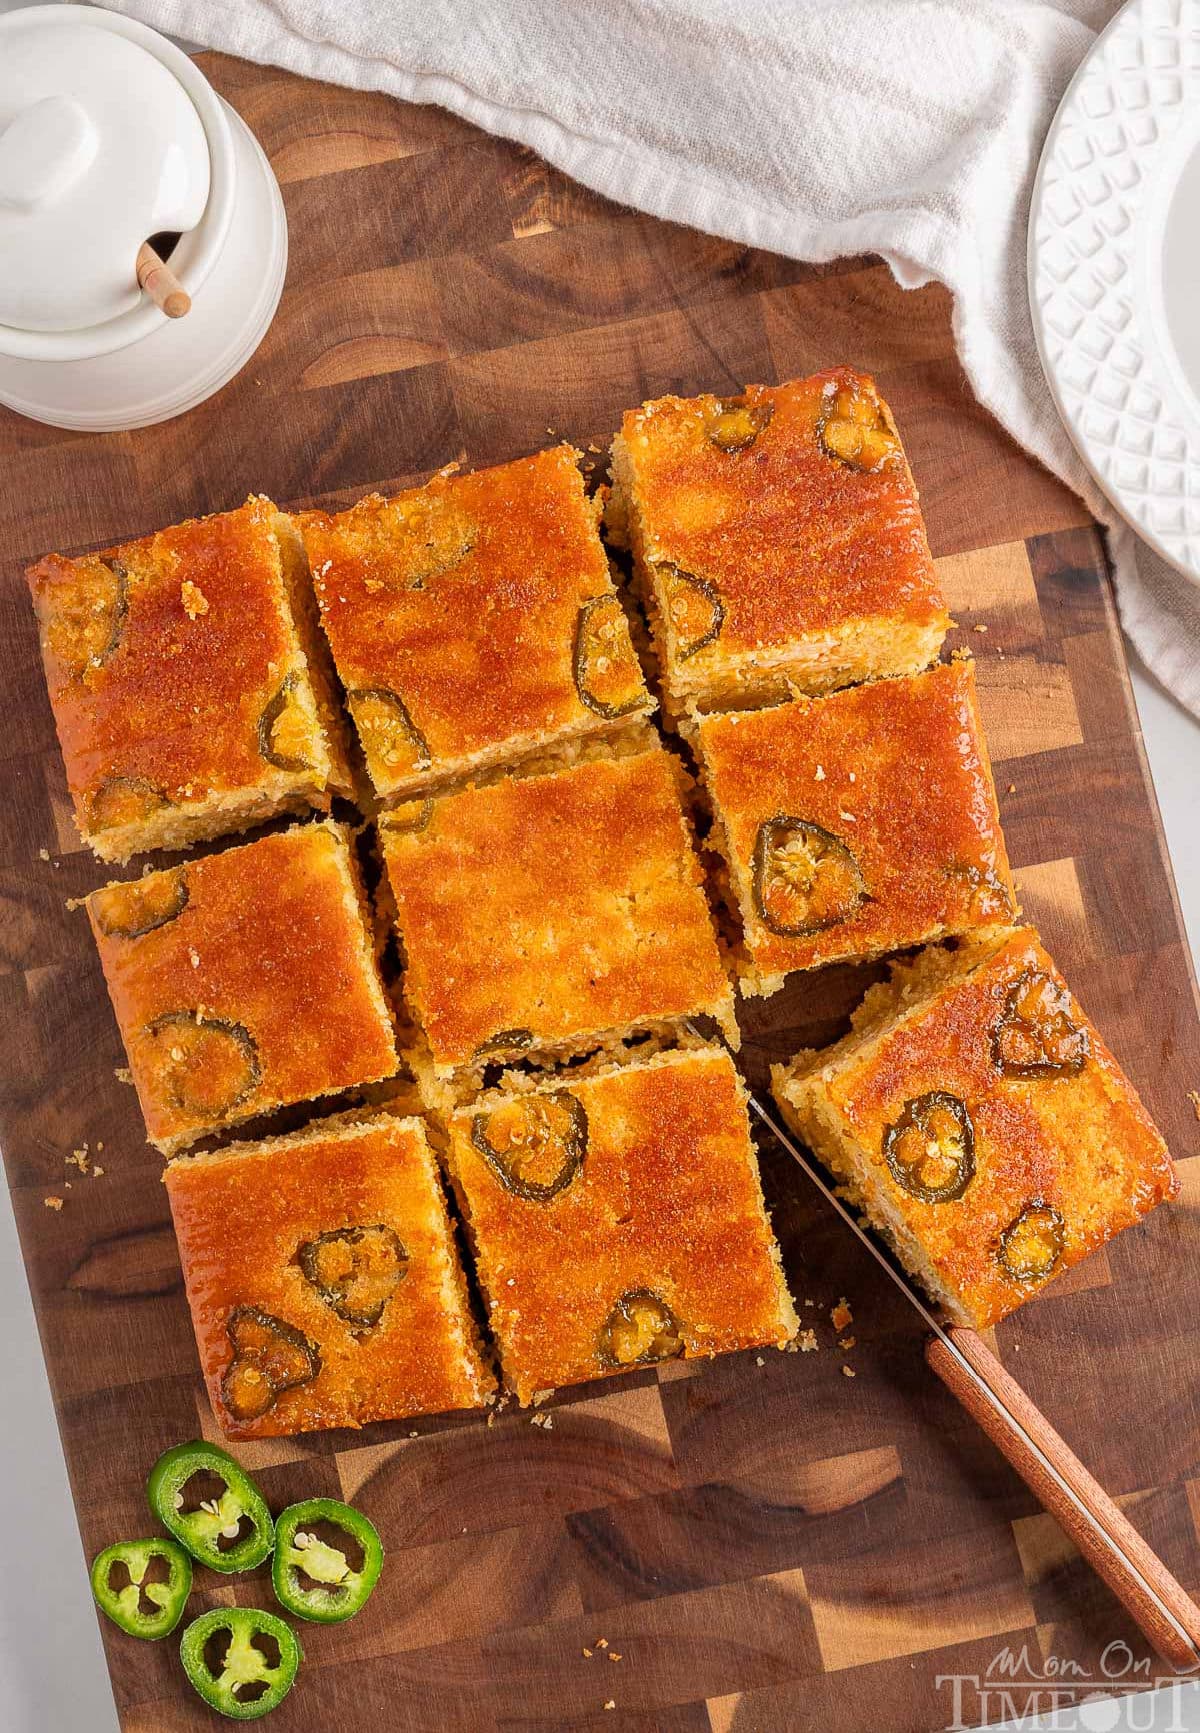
(778,540)
(323,1279)
(189,682)
(547,914)
(857,823)
(474,620)
(977,1118)
(617,1219)
(244,981)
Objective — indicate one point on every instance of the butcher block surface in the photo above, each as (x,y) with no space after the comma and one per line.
(763,1543)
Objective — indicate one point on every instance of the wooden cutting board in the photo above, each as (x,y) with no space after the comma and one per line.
(764,1543)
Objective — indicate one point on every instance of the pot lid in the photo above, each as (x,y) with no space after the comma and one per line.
(100,148)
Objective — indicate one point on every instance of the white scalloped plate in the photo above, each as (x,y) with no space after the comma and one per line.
(1114,269)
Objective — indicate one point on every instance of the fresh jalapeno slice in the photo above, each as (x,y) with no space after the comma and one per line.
(143,1585)
(314,1577)
(803,878)
(269,1357)
(355,1270)
(693,607)
(284,731)
(930,1149)
(241,1661)
(138,907)
(1031,1246)
(229,1527)
(1037,1035)
(534,1144)
(855,429)
(608,675)
(640,1329)
(735,423)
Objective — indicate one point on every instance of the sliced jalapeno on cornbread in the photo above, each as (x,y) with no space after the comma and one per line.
(1037,1035)
(388,733)
(407,816)
(1031,1246)
(241,1661)
(640,1329)
(208,1065)
(143,1585)
(855,429)
(270,1356)
(120,800)
(223,1521)
(534,1144)
(131,910)
(313,1577)
(803,878)
(356,1270)
(284,730)
(930,1149)
(505,1041)
(735,423)
(694,609)
(89,617)
(608,675)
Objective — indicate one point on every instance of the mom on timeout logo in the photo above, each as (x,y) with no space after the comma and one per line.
(1057,1695)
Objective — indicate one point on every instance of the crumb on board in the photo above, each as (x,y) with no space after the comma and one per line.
(195,602)
(610,1704)
(759,1361)
(97,1171)
(848,1372)
(1011,789)
(1194,1098)
(123,1074)
(53,1202)
(847,1342)
(43,854)
(840,1316)
(979,628)
(613,1655)
(588,1654)
(602,1642)
(806,1341)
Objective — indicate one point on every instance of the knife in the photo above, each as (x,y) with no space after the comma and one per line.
(1157,1603)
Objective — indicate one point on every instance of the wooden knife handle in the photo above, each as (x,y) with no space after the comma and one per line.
(1127,1565)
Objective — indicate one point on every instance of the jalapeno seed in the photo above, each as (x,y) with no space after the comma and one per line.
(120,800)
(803,878)
(208,1066)
(608,675)
(89,615)
(131,910)
(693,607)
(356,1270)
(1037,1035)
(855,430)
(640,1329)
(1031,1246)
(269,1357)
(534,1144)
(389,735)
(735,423)
(930,1149)
(284,729)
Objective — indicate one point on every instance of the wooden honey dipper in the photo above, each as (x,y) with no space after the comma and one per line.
(159,281)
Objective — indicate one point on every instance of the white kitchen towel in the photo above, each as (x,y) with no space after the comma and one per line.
(815,128)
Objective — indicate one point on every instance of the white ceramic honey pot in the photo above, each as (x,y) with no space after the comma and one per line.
(109,136)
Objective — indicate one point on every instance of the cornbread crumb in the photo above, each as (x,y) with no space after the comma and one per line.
(1194,1098)
(847,1342)
(43,854)
(840,1316)
(123,1075)
(1012,788)
(195,602)
(759,1361)
(53,1202)
(610,1704)
(602,1642)
(807,1340)
(97,1172)
(979,628)
(848,1372)
(588,1653)
(613,1655)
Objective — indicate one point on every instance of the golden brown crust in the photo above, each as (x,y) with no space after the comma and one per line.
(561,906)
(897,773)
(162,657)
(258,988)
(1076,1143)
(794,547)
(244,1219)
(666,1200)
(463,601)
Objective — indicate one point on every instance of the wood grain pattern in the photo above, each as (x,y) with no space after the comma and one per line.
(769,1546)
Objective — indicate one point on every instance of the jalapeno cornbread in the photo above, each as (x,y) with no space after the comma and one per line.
(547,914)
(778,540)
(856,823)
(189,682)
(976,1117)
(617,1219)
(323,1279)
(244,981)
(473,620)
